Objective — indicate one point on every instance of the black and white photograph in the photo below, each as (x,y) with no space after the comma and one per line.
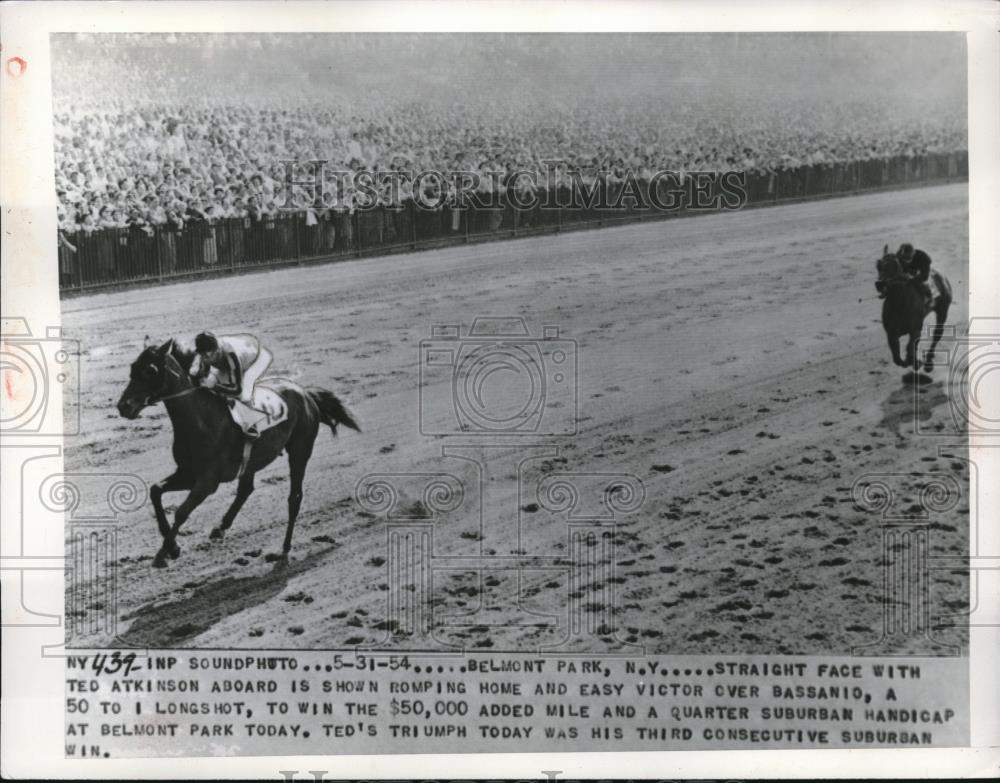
(434,392)
(409,256)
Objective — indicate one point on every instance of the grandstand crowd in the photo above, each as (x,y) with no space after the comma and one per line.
(181,131)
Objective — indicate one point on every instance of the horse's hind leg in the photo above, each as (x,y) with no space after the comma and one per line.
(940,315)
(298,458)
(243,490)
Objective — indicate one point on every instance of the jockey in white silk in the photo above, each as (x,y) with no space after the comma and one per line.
(231,365)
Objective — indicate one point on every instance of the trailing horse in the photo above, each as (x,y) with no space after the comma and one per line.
(208,444)
(904,310)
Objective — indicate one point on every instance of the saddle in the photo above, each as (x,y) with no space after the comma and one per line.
(267,409)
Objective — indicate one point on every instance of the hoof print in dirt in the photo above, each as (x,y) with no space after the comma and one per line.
(662,468)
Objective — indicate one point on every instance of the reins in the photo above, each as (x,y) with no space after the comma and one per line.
(183,393)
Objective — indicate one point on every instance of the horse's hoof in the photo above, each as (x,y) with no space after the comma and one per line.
(216,534)
(159,562)
(928,366)
(175,552)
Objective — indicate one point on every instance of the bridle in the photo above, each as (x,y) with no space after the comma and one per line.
(899,278)
(154,399)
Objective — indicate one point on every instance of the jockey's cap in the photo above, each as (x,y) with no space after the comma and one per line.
(905,250)
(206,342)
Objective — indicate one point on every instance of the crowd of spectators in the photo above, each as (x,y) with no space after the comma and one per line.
(183,131)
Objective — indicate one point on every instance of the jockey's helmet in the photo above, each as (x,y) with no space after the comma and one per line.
(905,251)
(206,342)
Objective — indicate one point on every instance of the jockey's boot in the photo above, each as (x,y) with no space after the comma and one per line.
(247,450)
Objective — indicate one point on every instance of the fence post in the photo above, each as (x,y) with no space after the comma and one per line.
(81,238)
(157,241)
(412,209)
(230,245)
(356,219)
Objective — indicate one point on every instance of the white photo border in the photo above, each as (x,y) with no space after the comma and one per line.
(33,726)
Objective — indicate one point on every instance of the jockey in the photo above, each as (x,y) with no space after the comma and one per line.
(917,264)
(230,365)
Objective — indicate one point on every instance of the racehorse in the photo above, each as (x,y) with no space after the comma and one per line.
(904,310)
(208,444)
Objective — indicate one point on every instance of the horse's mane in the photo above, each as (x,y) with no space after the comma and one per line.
(182,349)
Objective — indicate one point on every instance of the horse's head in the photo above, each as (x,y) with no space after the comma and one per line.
(888,266)
(157,373)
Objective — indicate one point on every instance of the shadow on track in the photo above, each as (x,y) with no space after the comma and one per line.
(913,402)
(165,625)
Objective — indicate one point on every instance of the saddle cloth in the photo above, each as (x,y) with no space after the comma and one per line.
(267,409)
(938,284)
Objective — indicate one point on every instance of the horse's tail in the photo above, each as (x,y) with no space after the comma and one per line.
(331,410)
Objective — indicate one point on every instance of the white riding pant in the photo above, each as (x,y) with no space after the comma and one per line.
(252,374)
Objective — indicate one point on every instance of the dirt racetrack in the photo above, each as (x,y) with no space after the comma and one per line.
(735,363)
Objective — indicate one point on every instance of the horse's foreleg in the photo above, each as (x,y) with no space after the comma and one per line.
(912,353)
(173,483)
(243,490)
(201,490)
(894,347)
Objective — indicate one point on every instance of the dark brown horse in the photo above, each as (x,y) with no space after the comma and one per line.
(208,444)
(904,310)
